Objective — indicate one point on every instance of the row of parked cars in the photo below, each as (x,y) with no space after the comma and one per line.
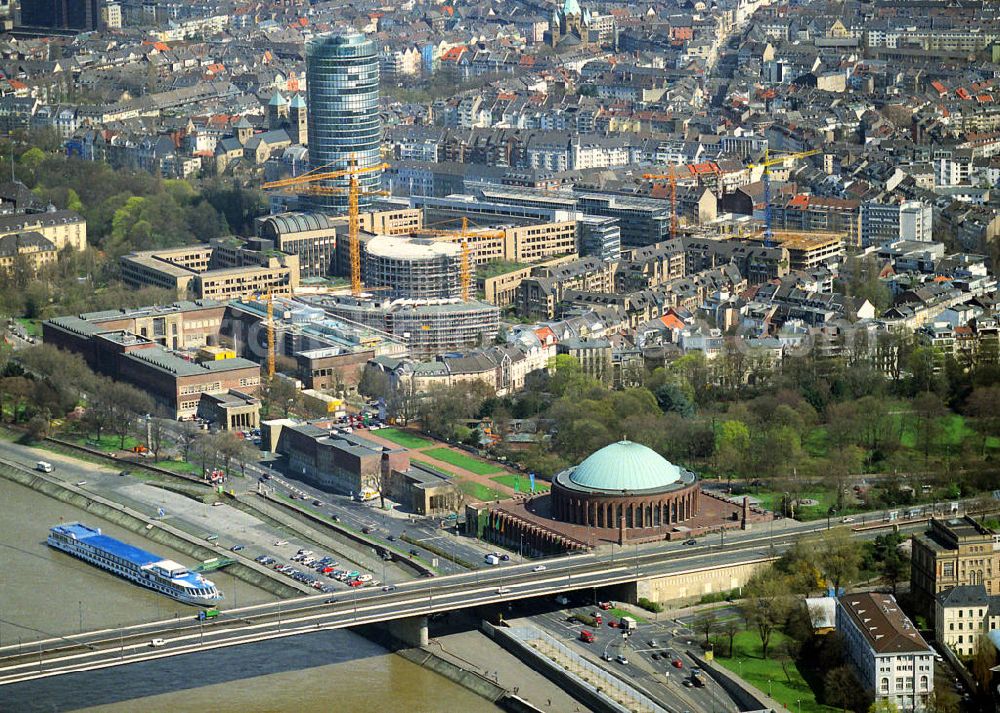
(324,566)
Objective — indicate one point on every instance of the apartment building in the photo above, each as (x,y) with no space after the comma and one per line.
(953,553)
(808,251)
(891,659)
(30,249)
(963,615)
(889,222)
(524,243)
(62,228)
(807,213)
(539,294)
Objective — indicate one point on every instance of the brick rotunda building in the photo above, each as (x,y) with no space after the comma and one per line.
(623,493)
(625,487)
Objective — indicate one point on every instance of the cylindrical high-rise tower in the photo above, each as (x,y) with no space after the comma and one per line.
(344,123)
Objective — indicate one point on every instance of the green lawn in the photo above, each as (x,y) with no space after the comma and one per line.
(32,326)
(461,460)
(480,492)
(619,613)
(404,438)
(757,670)
(523,483)
(107,443)
(179,466)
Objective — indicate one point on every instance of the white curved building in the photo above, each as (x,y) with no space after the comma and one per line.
(413,268)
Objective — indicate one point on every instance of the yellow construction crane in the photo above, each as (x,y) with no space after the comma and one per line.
(766,165)
(671,179)
(465,273)
(311,183)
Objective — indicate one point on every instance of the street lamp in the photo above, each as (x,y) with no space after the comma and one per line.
(832,511)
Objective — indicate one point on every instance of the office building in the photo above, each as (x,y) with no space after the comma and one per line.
(953,553)
(428,327)
(892,661)
(176,383)
(599,237)
(344,125)
(413,268)
(641,221)
(84,15)
(886,223)
(228,268)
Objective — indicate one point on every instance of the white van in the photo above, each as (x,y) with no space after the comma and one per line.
(43,467)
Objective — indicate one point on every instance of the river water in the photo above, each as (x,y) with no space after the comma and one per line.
(46,593)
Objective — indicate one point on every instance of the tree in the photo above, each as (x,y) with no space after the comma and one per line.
(38,427)
(928,408)
(245,453)
(730,627)
(277,395)
(228,447)
(187,434)
(982,407)
(841,688)
(942,700)
(205,451)
(732,446)
(671,398)
(157,433)
(765,606)
(706,624)
(839,557)
(126,404)
(375,383)
(984,659)
(883,705)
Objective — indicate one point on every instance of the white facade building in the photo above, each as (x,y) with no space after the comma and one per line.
(891,659)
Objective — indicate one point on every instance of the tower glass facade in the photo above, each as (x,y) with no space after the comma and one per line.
(342,83)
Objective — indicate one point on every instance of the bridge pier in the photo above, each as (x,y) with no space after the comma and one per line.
(411,631)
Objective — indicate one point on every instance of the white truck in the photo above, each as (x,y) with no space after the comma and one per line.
(492,559)
(628,624)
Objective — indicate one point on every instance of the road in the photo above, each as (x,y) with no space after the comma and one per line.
(657,677)
(587,572)
(393,527)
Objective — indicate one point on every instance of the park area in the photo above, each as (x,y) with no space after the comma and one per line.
(778,675)
(478,479)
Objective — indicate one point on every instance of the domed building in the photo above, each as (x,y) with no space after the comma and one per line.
(625,487)
(622,493)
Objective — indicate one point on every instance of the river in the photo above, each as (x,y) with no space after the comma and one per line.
(47,593)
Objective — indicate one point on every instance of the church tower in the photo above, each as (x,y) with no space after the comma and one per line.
(277,111)
(298,128)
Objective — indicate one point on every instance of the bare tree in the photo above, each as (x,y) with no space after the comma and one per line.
(245,453)
(730,627)
(186,437)
(157,433)
(706,623)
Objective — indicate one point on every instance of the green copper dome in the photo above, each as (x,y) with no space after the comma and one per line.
(625,466)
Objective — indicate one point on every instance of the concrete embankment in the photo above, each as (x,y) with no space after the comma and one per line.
(470,680)
(593,698)
(154,530)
